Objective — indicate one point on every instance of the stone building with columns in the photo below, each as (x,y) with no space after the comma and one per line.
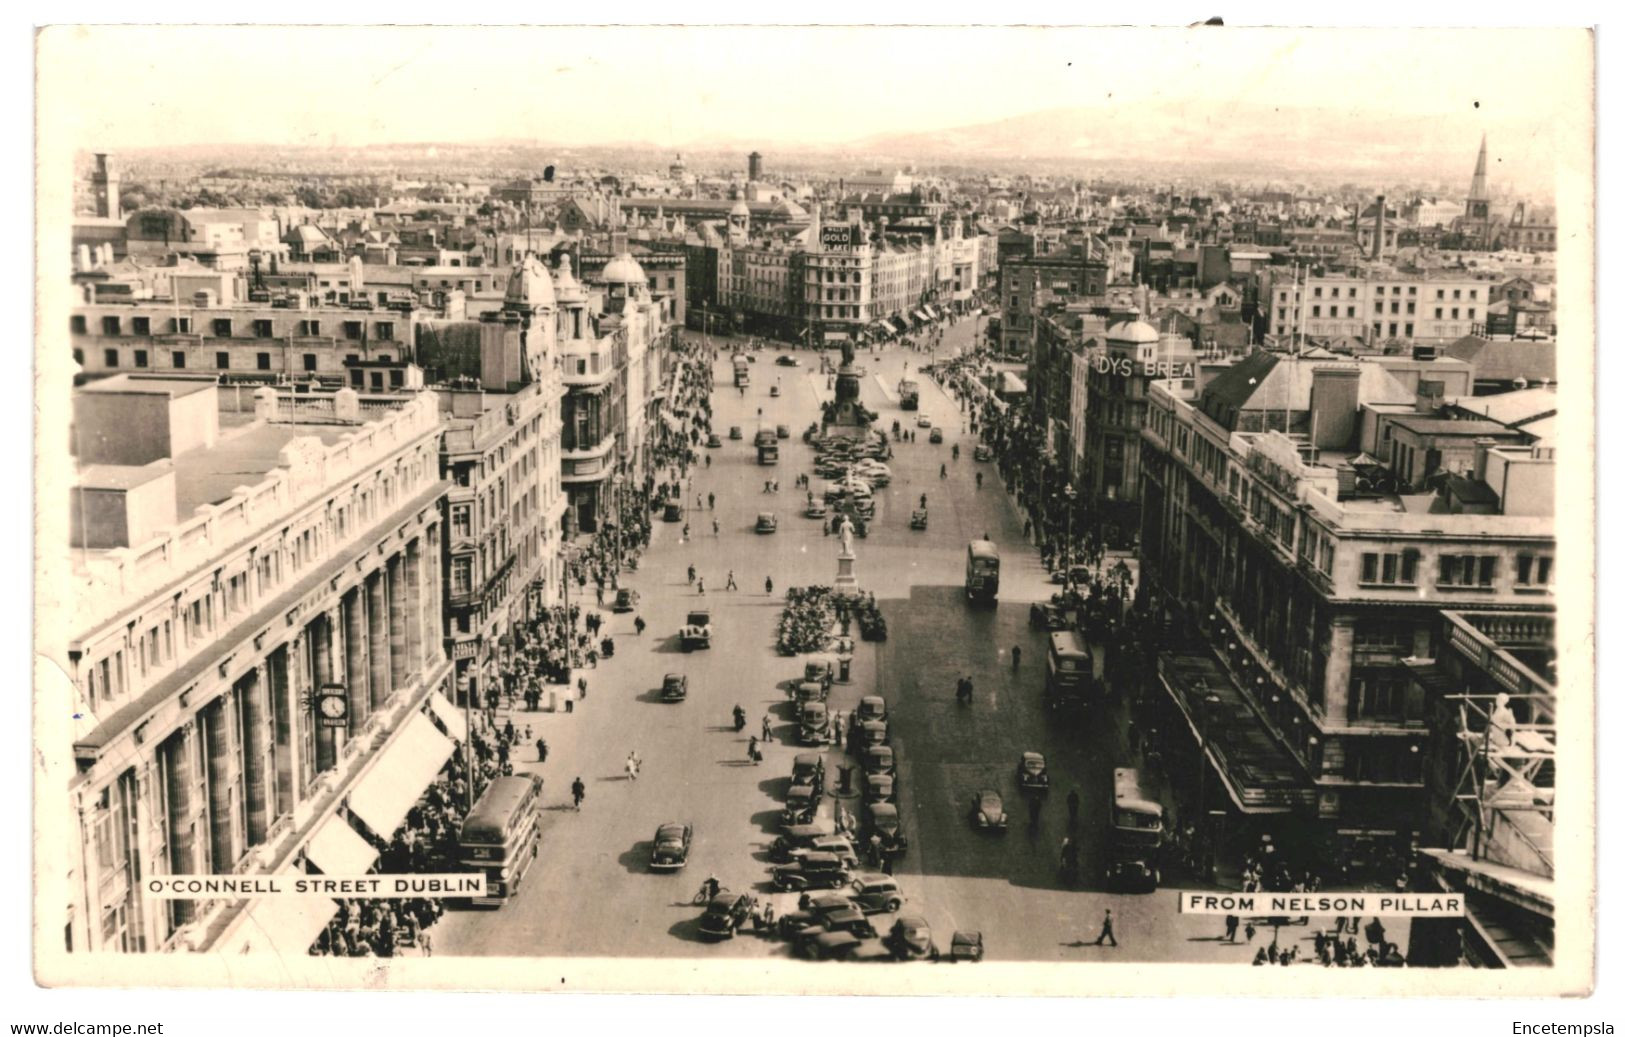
(254,638)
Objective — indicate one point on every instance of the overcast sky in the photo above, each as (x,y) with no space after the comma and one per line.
(677,87)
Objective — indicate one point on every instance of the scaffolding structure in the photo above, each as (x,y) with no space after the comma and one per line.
(1505,789)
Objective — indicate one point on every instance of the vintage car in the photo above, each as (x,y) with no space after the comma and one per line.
(878,759)
(713,441)
(838,845)
(1077,575)
(886,823)
(1132,876)
(672,841)
(773,391)
(767,522)
(785,360)
(923,420)
(808,692)
(918,519)
(813,727)
(765,437)
(873,732)
(879,788)
(820,668)
(983,452)
(871,707)
(910,938)
(1032,773)
(817,509)
(725,913)
(825,912)
(1050,616)
(875,473)
(800,805)
(673,512)
(876,895)
(807,769)
(735,432)
(696,633)
(842,946)
(674,688)
(811,871)
(966,945)
(782,431)
(799,837)
(935,436)
(987,811)
(626,599)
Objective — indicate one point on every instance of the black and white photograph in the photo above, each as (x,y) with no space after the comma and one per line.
(772,510)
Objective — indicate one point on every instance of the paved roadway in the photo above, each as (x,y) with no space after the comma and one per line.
(591,893)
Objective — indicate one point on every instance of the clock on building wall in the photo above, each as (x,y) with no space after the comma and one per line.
(332,706)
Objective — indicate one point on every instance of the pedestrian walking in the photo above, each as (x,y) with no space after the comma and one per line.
(600,595)
(426,943)
(701,585)
(731,585)
(631,768)
(541,751)
(1250,932)
(1072,803)
(769,586)
(716,528)
(691,576)
(638,624)
(711,501)
(1106,930)
(1231,924)
(578,792)
(752,753)
(1015,657)
(767,728)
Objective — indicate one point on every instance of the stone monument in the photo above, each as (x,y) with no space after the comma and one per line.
(846,577)
(847,412)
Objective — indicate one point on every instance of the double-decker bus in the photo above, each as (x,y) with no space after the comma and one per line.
(908,393)
(1134,834)
(502,836)
(982,570)
(1069,672)
(741,370)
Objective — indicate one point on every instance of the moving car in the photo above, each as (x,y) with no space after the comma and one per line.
(673,512)
(626,599)
(672,842)
(782,431)
(725,914)
(787,361)
(923,421)
(767,522)
(1049,616)
(696,633)
(987,811)
(888,824)
(674,688)
(910,938)
(765,437)
(918,520)
(811,871)
(1032,773)
(817,509)
(773,391)
(936,435)
(1132,876)
(876,895)
(983,452)
(713,441)
(878,759)
(734,432)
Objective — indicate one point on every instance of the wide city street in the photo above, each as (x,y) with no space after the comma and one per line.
(592,892)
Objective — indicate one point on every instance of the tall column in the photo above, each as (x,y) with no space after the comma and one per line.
(397,622)
(221,774)
(182,834)
(257,737)
(321,633)
(284,706)
(1339,664)
(414,607)
(355,659)
(434,639)
(302,722)
(377,642)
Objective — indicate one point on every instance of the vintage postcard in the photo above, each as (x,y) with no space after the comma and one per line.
(792,510)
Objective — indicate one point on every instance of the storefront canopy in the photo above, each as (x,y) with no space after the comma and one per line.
(919,315)
(898,325)
(456,725)
(283,925)
(387,791)
(338,850)
(931,311)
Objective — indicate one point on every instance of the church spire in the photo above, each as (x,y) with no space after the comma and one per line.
(1480,191)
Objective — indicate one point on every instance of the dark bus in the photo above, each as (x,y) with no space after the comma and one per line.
(502,836)
(1134,834)
(982,570)
(741,370)
(1069,671)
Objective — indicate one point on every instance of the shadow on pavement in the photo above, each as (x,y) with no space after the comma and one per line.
(767,821)
(668,645)
(653,695)
(774,788)
(636,859)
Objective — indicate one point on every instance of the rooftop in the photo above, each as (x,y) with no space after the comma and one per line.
(211,475)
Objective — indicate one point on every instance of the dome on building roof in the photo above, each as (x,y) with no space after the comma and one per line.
(529,284)
(623,269)
(1135,331)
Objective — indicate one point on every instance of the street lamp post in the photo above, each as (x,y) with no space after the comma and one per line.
(1071,497)
(1208,702)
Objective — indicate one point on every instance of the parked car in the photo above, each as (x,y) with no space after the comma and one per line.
(987,811)
(966,945)
(783,431)
(788,361)
(923,421)
(873,732)
(725,913)
(735,432)
(837,845)
(767,522)
(806,693)
(817,509)
(814,724)
(800,805)
(820,668)
(1032,773)
(876,895)
(879,788)
(696,633)
(799,837)
(674,688)
(936,435)
(888,824)
(878,759)
(626,599)
(910,938)
(871,707)
(825,912)
(1132,876)
(811,871)
(713,441)
(807,769)
(672,842)
(844,946)
(1049,616)
(983,452)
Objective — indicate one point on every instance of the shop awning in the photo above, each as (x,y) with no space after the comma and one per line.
(919,315)
(932,312)
(897,325)
(387,791)
(450,715)
(284,925)
(338,850)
